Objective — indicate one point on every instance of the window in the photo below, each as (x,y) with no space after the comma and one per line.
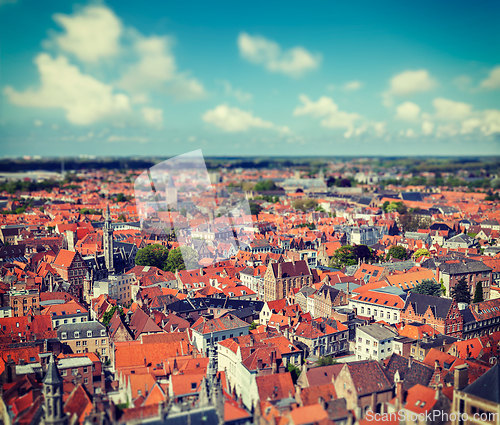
(103,342)
(89,334)
(63,372)
(64,335)
(85,370)
(77,343)
(76,334)
(86,380)
(103,351)
(103,332)
(84,343)
(74,371)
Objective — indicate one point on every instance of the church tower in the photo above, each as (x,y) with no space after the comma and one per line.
(171,194)
(53,396)
(107,235)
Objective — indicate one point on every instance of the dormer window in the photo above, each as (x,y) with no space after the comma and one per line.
(76,334)
(103,332)
(89,334)
(64,335)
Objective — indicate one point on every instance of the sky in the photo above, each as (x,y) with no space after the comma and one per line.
(260,78)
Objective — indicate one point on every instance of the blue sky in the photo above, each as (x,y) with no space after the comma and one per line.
(260,78)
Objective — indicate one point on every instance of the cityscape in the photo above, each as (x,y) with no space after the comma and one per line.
(269,214)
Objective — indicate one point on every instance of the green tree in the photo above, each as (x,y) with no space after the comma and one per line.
(154,255)
(478,293)
(443,288)
(294,371)
(174,261)
(398,252)
(190,257)
(326,361)
(255,209)
(304,204)
(349,255)
(421,251)
(460,292)
(264,186)
(183,211)
(108,315)
(253,326)
(120,197)
(428,287)
(121,217)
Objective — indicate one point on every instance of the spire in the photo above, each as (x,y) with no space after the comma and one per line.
(52,377)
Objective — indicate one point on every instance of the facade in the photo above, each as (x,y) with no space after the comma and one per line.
(73,269)
(62,314)
(24,302)
(441,313)
(481,318)
(220,329)
(374,342)
(379,305)
(325,299)
(87,337)
(281,277)
(78,370)
(117,286)
(323,337)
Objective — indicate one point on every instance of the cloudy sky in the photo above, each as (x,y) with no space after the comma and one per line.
(249,78)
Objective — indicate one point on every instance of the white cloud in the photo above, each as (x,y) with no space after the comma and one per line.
(445,130)
(352,85)
(410,133)
(234,120)
(294,62)
(449,110)
(84,98)
(493,80)
(152,115)
(408,111)
(463,82)
(379,128)
(487,122)
(427,128)
(237,93)
(91,34)
(326,109)
(407,83)
(157,70)
(38,123)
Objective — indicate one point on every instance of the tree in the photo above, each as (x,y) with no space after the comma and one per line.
(349,255)
(443,288)
(294,371)
(428,287)
(254,208)
(264,186)
(120,197)
(478,293)
(304,204)
(190,257)
(108,315)
(398,252)
(154,255)
(183,211)
(253,326)
(174,261)
(460,292)
(421,251)
(326,361)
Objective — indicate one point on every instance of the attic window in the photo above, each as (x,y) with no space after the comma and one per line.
(385,302)
(193,385)
(417,403)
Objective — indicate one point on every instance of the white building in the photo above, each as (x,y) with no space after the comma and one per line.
(374,342)
(379,305)
(117,287)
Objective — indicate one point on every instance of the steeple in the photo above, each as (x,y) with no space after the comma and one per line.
(53,396)
(107,235)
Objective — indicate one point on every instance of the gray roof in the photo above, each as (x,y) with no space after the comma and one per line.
(465,266)
(440,306)
(52,377)
(377,331)
(83,327)
(486,386)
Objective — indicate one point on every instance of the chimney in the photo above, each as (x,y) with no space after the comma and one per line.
(461,376)
(437,274)
(280,271)
(399,390)
(259,364)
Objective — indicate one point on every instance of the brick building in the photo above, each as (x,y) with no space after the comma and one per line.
(442,314)
(24,302)
(72,269)
(280,278)
(326,298)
